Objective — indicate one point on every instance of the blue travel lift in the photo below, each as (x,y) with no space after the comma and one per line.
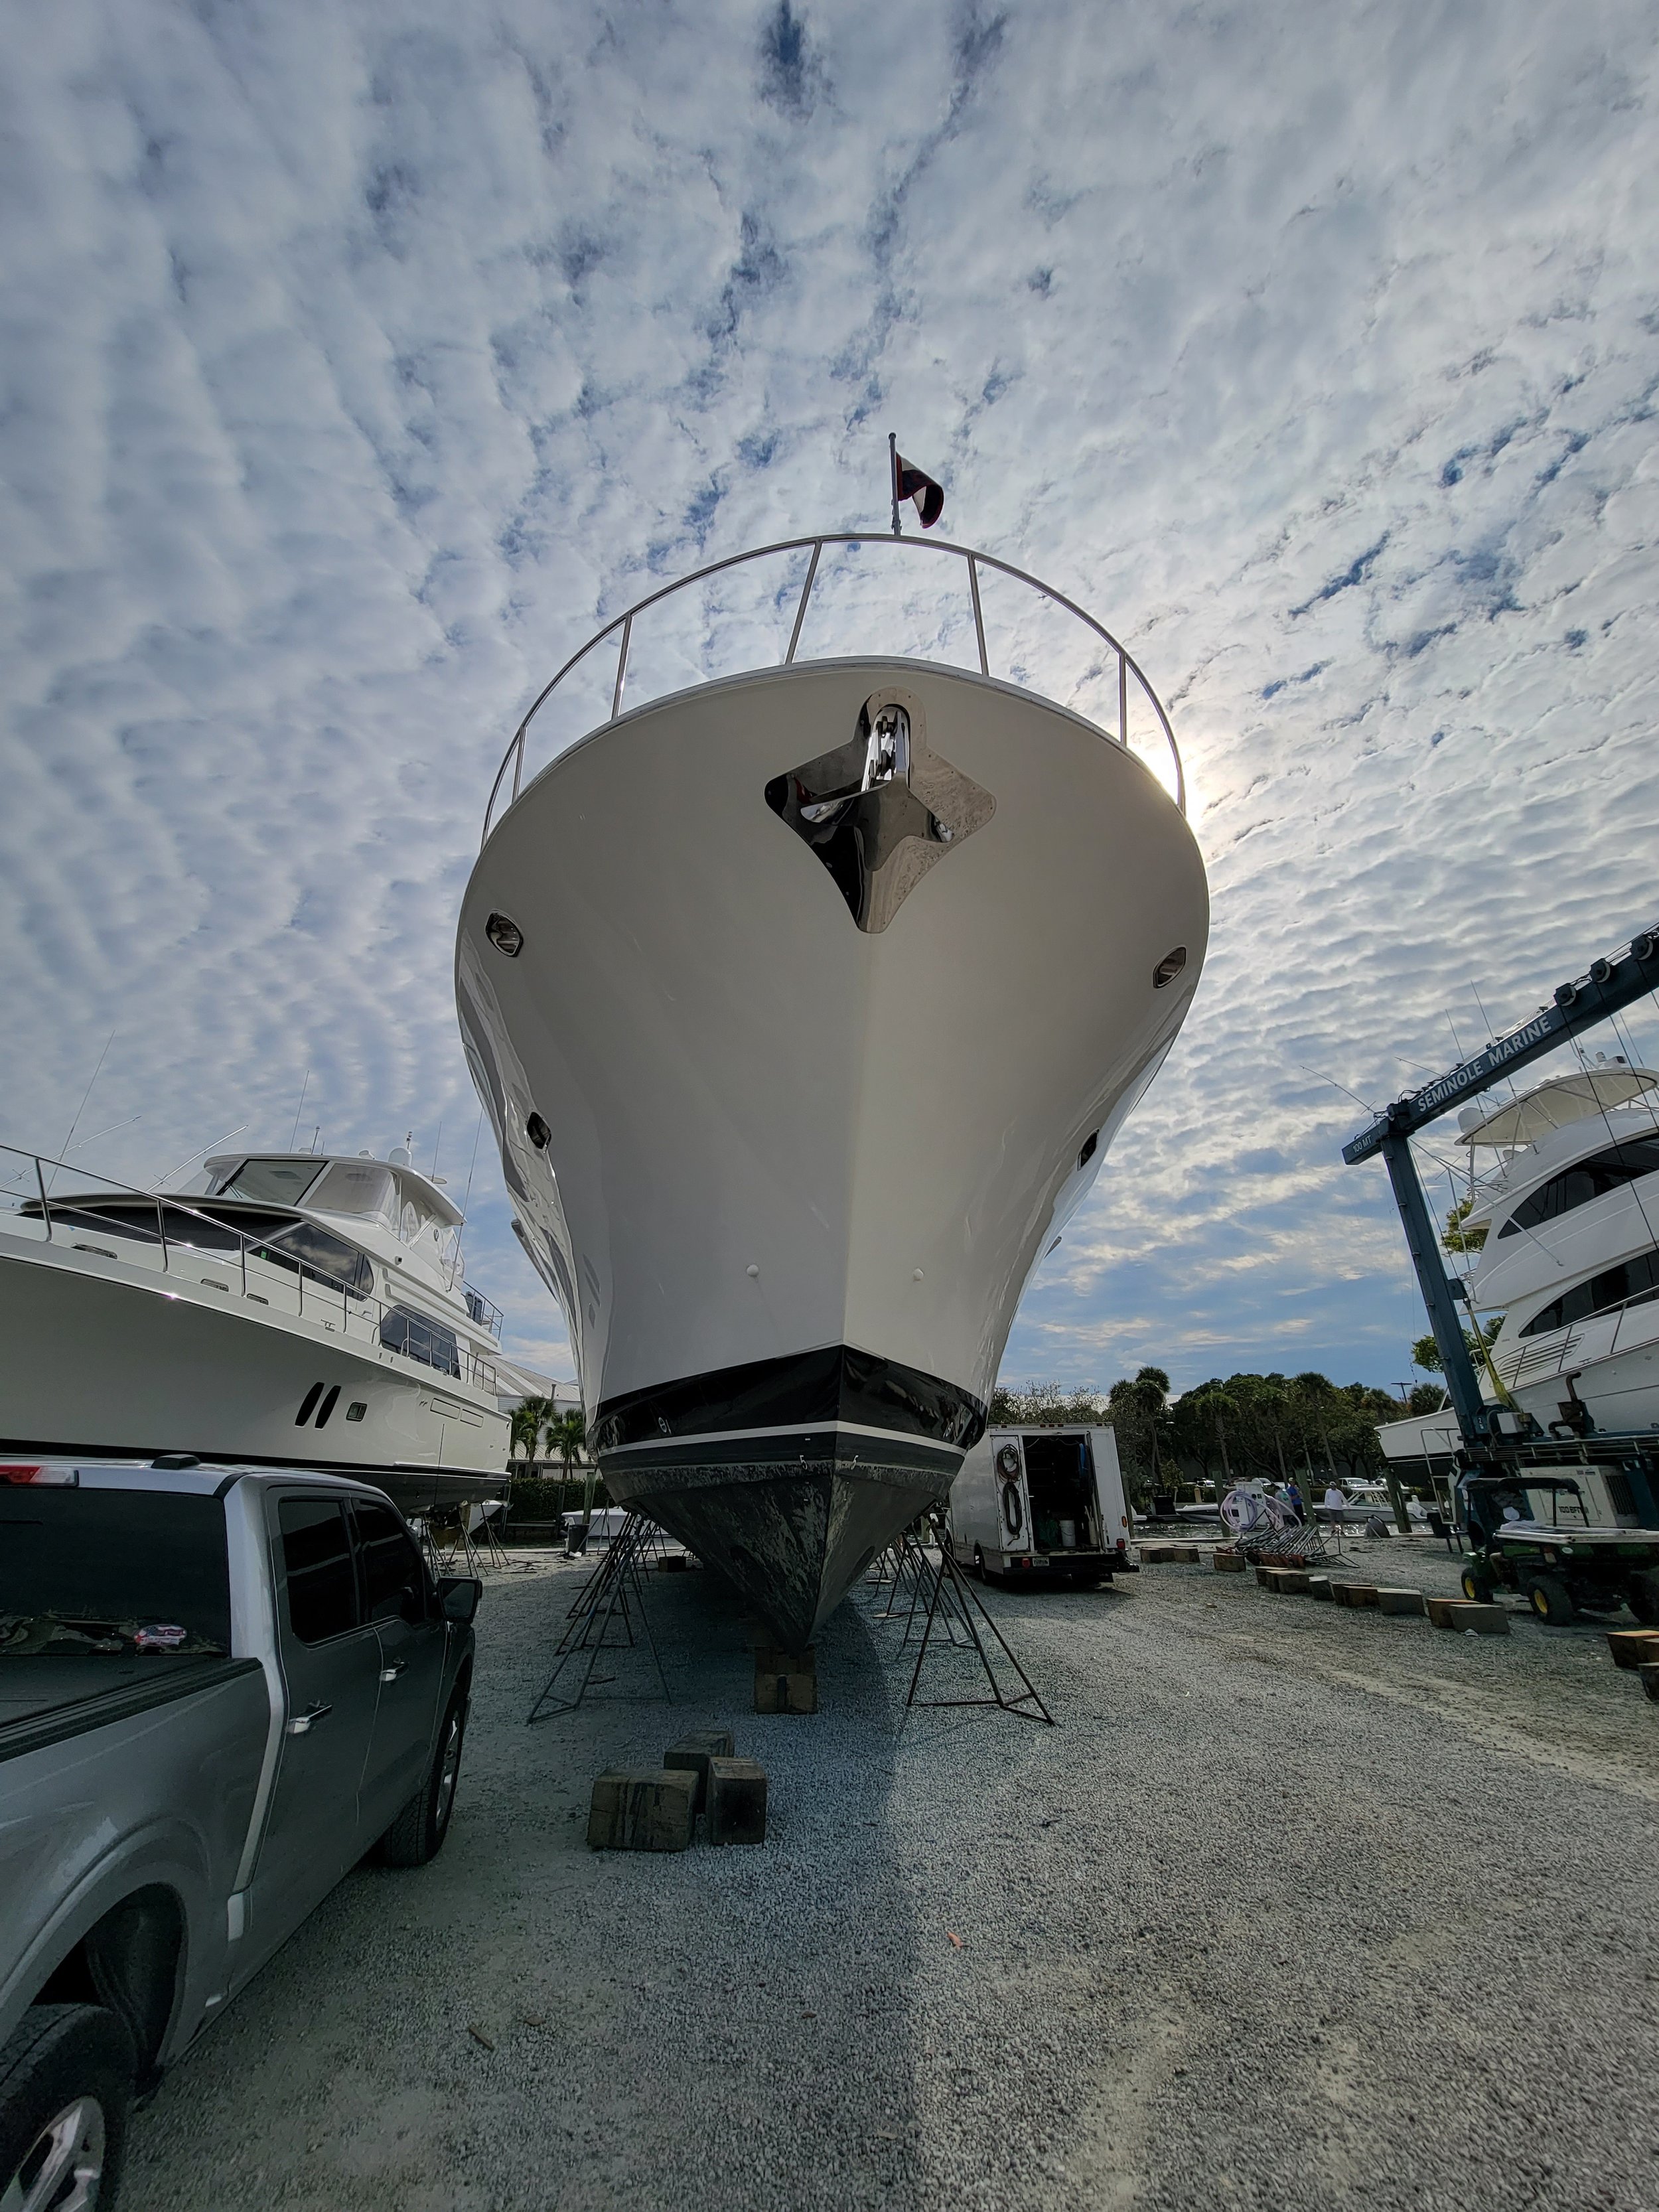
(1498,1444)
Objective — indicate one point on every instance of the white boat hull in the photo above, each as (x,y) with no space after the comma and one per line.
(794,1169)
(107,1357)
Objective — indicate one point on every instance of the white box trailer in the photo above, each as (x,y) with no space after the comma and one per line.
(1048,1501)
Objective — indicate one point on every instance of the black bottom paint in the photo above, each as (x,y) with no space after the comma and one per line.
(794,1535)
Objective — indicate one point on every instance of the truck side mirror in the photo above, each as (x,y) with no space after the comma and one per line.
(458,1596)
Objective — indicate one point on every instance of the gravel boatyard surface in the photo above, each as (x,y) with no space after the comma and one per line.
(1298,1905)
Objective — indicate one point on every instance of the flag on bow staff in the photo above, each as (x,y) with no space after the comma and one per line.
(910,482)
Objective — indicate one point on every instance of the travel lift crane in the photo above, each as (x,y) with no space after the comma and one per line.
(1492,1435)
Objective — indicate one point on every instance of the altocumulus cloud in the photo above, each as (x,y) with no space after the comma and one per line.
(358,359)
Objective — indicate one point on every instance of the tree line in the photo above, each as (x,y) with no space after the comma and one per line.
(1275,1427)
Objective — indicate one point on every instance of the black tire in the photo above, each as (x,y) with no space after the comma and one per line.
(65,2097)
(1642,1597)
(1550,1601)
(417,1833)
(1477,1585)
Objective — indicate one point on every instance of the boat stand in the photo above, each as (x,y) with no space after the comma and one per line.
(608,1601)
(956,1611)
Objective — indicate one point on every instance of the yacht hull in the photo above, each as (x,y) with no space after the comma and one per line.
(115,1360)
(787,1134)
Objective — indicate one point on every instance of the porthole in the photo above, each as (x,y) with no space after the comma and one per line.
(1090,1144)
(537,1132)
(357,1409)
(1169,967)
(506,936)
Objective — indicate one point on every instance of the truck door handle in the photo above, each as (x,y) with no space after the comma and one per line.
(390,1674)
(304,1723)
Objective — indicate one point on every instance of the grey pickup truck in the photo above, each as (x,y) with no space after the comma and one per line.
(219,1688)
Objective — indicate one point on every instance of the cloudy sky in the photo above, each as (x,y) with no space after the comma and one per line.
(359,358)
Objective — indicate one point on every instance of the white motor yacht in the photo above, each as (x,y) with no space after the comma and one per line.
(1566,1227)
(289,1308)
(805,999)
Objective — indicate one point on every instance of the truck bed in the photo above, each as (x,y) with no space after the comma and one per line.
(45,1700)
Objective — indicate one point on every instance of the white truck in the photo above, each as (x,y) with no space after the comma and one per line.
(219,1688)
(1032,1502)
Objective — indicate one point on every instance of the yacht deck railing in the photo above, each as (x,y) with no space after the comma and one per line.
(75,1217)
(1132,689)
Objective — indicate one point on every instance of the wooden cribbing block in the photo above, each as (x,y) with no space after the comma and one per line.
(785,1681)
(1355,1594)
(1649,1674)
(643,1809)
(1183,1555)
(1227,1563)
(737,1801)
(672,1563)
(1399,1601)
(1293,1581)
(1319,1586)
(1633,1647)
(1268,1576)
(1463,1612)
(1156,1555)
(693,1753)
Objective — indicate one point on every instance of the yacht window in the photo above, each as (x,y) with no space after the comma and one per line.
(272,1183)
(409,1228)
(1586,1179)
(357,1187)
(315,1254)
(1632,1282)
(417,1336)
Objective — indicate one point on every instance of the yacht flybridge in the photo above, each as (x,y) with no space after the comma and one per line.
(288,1308)
(806,990)
(1566,1226)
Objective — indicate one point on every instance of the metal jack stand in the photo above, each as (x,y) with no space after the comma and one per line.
(610,1598)
(953,1600)
(904,1571)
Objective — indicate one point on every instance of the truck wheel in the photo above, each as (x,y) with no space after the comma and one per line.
(65,2095)
(417,1833)
(1550,1601)
(1643,1596)
(1477,1585)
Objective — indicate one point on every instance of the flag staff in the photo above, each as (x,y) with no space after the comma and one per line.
(892,475)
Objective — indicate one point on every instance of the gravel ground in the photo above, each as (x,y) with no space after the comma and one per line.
(1298,1905)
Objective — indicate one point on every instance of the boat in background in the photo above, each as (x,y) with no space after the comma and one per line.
(805,1002)
(1565,1229)
(288,1309)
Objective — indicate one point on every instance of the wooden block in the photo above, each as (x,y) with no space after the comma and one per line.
(1183,1555)
(672,1562)
(694,1752)
(786,1682)
(1633,1647)
(1268,1576)
(1227,1563)
(1319,1586)
(1650,1675)
(1156,1555)
(1399,1601)
(643,1809)
(737,1801)
(1293,1581)
(1355,1594)
(1462,1612)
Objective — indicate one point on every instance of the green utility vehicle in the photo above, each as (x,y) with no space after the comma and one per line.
(1565,1564)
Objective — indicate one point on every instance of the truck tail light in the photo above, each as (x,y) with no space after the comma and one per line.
(54,1478)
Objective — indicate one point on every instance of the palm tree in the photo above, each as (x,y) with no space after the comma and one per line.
(525,1425)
